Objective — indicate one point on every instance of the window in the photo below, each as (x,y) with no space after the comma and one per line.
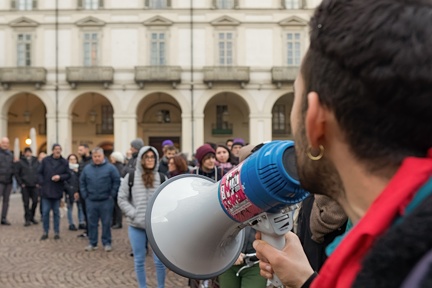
(293,45)
(222,117)
(279,119)
(90,4)
(24,50)
(225,48)
(157,49)
(292,4)
(24,4)
(158,4)
(91,50)
(107,125)
(225,4)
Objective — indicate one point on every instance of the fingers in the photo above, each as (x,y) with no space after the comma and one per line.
(265,270)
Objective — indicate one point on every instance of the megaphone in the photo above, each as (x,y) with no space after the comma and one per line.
(194,225)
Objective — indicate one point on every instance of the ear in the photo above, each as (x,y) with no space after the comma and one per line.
(315,120)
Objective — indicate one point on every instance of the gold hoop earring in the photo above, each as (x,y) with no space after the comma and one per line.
(319,156)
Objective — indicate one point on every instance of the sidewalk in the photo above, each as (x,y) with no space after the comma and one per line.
(27,262)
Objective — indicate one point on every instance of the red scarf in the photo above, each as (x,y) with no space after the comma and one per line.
(341,269)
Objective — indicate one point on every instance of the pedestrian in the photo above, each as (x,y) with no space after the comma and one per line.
(117,159)
(84,153)
(366,77)
(72,194)
(205,156)
(135,146)
(133,202)
(99,183)
(26,173)
(177,165)
(7,170)
(223,159)
(169,150)
(52,174)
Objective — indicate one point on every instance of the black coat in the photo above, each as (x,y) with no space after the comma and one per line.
(7,166)
(49,167)
(26,171)
(72,185)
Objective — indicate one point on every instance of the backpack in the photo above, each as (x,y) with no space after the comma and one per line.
(132,177)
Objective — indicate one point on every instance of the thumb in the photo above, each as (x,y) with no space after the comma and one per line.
(264,251)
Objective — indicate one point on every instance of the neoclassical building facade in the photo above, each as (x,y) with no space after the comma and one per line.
(104,72)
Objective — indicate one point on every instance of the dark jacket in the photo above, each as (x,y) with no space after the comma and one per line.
(26,172)
(7,167)
(130,165)
(215,174)
(72,185)
(99,182)
(49,167)
(163,165)
(119,166)
(84,162)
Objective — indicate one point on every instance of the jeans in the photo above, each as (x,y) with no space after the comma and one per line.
(99,210)
(70,212)
(5,191)
(27,194)
(138,240)
(48,205)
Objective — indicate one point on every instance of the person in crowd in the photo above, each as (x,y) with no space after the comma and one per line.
(7,170)
(52,174)
(135,146)
(238,143)
(72,193)
(41,156)
(86,158)
(177,165)
(205,156)
(133,202)
(117,159)
(228,143)
(241,275)
(168,152)
(352,99)
(223,158)
(99,183)
(26,173)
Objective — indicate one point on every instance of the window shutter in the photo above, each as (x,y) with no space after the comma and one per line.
(101,3)
(80,4)
(13,5)
(34,4)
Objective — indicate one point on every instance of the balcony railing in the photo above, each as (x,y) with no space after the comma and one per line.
(226,129)
(284,75)
(236,74)
(157,74)
(22,75)
(97,74)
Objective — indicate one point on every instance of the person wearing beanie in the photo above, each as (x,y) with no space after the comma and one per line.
(168,152)
(205,156)
(136,145)
(237,144)
(167,142)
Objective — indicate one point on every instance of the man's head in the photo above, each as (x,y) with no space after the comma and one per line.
(98,156)
(56,150)
(169,151)
(367,73)
(136,145)
(28,152)
(83,150)
(4,143)
(237,144)
(229,143)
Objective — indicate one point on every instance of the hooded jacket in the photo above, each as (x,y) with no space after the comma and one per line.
(135,207)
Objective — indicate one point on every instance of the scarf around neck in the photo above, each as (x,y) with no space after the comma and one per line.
(341,269)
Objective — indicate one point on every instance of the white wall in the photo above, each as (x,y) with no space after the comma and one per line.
(258,47)
(2,49)
(124,48)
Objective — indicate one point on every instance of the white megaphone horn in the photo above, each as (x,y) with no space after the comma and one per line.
(194,225)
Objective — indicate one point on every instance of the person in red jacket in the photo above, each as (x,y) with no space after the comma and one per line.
(361,122)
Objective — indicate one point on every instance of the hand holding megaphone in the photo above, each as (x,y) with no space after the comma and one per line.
(195,225)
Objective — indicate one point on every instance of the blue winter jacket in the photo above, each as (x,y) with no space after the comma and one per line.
(99,182)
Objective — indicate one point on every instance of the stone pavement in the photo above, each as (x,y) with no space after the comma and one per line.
(27,262)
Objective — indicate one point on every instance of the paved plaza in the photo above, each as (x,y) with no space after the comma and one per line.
(27,262)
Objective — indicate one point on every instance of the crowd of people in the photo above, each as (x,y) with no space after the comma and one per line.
(363,144)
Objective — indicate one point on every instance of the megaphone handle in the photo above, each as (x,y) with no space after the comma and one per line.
(277,241)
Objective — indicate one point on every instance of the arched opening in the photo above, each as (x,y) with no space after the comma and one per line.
(159,118)
(281,111)
(226,115)
(25,112)
(92,122)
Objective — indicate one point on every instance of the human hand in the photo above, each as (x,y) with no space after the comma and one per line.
(55,178)
(76,196)
(240,259)
(290,265)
